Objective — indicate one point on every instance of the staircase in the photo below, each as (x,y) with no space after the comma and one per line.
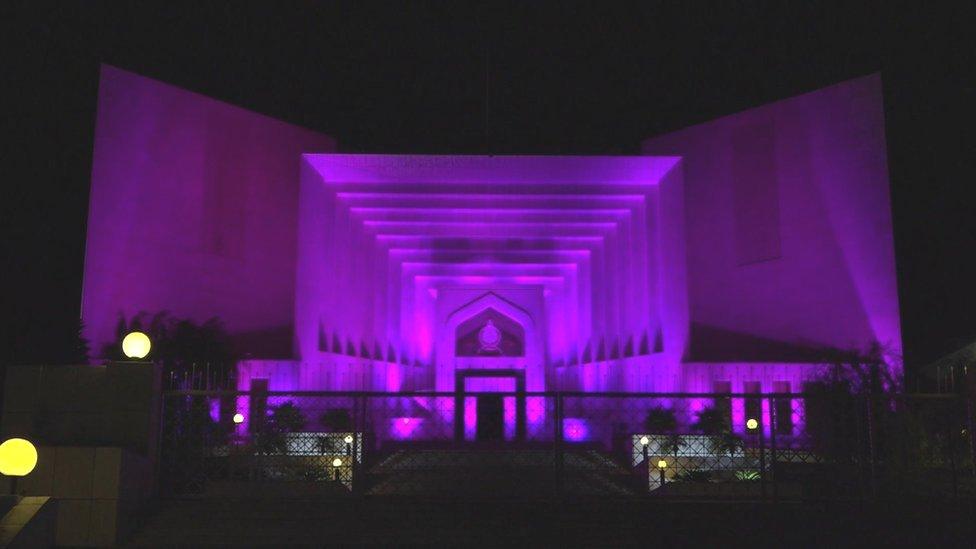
(411,493)
(507,472)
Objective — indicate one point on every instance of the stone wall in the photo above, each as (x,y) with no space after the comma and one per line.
(95,428)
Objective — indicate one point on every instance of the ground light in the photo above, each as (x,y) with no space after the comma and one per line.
(136,345)
(18,457)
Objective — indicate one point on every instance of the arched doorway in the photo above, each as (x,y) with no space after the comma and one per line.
(489,354)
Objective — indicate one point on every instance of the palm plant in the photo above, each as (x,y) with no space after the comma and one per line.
(711,421)
(726,443)
(716,425)
(662,421)
(283,419)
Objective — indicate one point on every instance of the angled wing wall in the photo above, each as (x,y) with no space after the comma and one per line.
(788,227)
(193,210)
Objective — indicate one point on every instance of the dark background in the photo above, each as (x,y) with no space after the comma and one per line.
(529,77)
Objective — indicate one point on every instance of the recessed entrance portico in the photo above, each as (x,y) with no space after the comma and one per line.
(498,406)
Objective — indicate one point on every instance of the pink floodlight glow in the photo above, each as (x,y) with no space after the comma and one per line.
(575,429)
(470,417)
(241,403)
(739,414)
(508,413)
(214,410)
(404,428)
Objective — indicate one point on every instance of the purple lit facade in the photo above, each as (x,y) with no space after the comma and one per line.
(726,259)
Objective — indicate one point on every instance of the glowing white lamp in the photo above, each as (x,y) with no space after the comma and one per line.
(336,462)
(661,464)
(348,439)
(238,418)
(752,424)
(645,441)
(136,345)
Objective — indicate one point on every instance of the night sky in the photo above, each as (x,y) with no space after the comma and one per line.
(500,78)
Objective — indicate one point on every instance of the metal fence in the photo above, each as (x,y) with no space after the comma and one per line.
(682,446)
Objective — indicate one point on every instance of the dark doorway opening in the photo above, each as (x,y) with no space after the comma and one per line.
(491,424)
(489,406)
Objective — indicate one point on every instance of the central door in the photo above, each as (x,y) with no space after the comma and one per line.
(488,407)
(491,422)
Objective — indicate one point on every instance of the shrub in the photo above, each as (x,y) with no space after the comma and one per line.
(336,420)
(747,476)
(660,421)
(283,419)
(695,475)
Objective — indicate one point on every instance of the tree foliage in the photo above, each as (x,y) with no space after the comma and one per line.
(177,343)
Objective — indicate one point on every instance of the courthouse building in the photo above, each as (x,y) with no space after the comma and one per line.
(729,257)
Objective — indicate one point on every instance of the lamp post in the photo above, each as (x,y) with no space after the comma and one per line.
(661,466)
(644,442)
(752,424)
(336,463)
(18,457)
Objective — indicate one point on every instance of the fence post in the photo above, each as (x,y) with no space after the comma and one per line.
(762,456)
(860,451)
(869,415)
(159,468)
(558,440)
(951,441)
(360,479)
(357,478)
(773,426)
(971,432)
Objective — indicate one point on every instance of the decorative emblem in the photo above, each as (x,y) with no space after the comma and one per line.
(490,338)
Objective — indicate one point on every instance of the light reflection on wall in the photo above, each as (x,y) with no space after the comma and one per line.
(576,429)
(403,428)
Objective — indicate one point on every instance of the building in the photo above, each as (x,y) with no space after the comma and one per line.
(727,258)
